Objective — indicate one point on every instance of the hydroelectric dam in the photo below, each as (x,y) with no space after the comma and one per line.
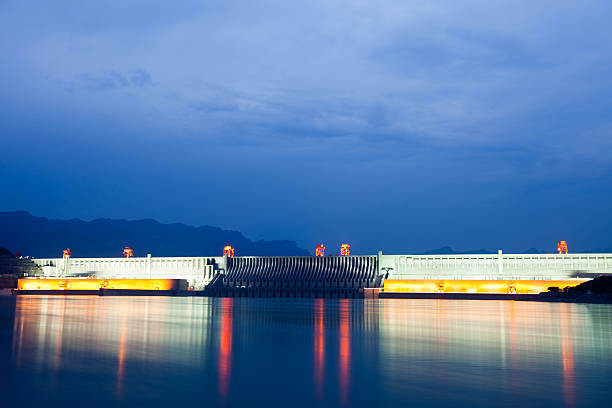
(346,276)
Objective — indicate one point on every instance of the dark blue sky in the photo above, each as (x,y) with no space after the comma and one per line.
(390,125)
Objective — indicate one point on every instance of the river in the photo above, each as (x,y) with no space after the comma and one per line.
(169,351)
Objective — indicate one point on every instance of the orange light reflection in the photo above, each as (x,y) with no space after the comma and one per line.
(57,358)
(121,359)
(319,346)
(225,348)
(567,357)
(345,351)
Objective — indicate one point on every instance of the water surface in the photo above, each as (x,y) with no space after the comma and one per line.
(163,351)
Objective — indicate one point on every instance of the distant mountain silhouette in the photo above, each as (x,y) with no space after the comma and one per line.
(5,253)
(43,238)
(12,267)
(533,251)
(446,250)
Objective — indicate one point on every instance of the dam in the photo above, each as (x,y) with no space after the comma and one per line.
(340,276)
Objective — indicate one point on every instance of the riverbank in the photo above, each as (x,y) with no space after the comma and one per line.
(97,292)
(542,297)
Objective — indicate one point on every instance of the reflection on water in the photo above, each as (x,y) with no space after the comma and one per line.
(567,356)
(121,359)
(319,346)
(225,347)
(345,350)
(225,352)
(517,349)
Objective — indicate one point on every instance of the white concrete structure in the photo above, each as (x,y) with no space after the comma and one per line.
(496,266)
(198,271)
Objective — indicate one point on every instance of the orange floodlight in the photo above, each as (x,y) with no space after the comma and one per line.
(562,247)
(67,252)
(128,252)
(228,250)
(506,286)
(97,284)
(345,249)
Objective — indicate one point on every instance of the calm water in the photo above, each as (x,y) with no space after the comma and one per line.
(299,353)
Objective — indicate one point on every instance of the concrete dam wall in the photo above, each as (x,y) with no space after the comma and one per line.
(497,266)
(197,271)
(331,276)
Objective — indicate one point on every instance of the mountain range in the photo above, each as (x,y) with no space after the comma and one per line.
(40,237)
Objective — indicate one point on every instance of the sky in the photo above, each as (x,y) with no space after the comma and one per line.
(398,126)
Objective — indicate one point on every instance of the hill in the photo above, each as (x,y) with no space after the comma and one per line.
(5,253)
(42,238)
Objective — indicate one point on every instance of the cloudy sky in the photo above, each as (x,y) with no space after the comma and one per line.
(393,125)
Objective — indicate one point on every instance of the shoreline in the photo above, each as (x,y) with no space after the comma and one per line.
(600,298)
(594,298)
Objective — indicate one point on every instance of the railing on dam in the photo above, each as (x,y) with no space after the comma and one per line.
(332,276)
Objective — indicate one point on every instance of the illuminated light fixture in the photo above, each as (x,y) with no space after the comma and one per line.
(97,284)
(128,252)
(476,286)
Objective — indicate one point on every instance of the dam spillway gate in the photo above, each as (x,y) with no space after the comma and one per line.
(297,277)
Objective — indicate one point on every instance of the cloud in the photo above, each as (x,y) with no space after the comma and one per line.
(430,103)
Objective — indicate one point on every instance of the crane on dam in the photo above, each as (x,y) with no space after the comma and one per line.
(562,247)
(345,249)
(320,251)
